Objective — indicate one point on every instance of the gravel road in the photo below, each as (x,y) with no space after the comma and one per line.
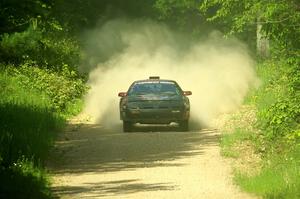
(93,162)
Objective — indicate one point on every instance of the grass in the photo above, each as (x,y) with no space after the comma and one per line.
(27,123)
(280,173)
(279,176)
(265,95)
(73,108)
(24,180)
(229,140)
(28,129)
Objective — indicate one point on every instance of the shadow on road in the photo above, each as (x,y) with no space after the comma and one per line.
(92,148)
(119,187)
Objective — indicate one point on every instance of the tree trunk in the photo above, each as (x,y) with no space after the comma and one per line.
(262,42)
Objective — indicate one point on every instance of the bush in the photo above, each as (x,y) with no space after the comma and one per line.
(281,118)
(28,129)
(46,43)
(62,87)
(20,46)
(25,181)
(279,177)
(27,123)
(277,134)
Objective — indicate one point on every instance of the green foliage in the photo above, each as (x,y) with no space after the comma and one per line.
(183,15)
(28,129)
(79,15)
(57,48)
(280,19)
(15,16)
(46,45)
(24,180)
(27,124)
(170,8)
(281,116)
(19,46)
(279,178)
(62,88)
(73,108)
(277,137)
(277,134)
(228,141)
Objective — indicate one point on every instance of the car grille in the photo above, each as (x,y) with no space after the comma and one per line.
(158,105)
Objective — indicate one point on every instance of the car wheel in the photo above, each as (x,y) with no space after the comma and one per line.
(127,126)
(184,125)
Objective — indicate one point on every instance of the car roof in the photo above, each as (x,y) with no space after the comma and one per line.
(154,81)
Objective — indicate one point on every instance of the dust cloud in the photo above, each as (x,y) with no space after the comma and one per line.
(218,71)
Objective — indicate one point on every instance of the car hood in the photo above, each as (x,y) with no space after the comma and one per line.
(154,97)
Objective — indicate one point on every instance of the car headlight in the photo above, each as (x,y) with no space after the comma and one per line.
(186,105)
(132,105)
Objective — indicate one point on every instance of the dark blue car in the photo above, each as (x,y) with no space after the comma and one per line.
(154,101)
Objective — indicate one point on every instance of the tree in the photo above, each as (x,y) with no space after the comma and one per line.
(280,20)
(16,16)
(183,15)
(79,14)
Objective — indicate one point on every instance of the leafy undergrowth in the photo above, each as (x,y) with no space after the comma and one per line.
(264,173)
(270,143)
(279,177)
(29,121)
(230,141)
(237,141)
(24,180)
(63,89)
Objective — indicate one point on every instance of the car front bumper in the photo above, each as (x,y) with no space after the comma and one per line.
(154,116)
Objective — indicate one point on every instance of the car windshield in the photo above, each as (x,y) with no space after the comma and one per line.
(143,88)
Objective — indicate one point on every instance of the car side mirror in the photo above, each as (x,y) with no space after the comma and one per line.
(122,94)
(186,93)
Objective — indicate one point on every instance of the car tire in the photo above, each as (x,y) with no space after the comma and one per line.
(184,125)
(127,126)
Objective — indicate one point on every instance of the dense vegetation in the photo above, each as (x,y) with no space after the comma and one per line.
(276,133)
(41,49)
(40,88)
(276,137)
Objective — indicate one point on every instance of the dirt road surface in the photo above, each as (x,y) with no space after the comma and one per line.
(92,162)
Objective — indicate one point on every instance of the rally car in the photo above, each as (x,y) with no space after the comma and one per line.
(154,101)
